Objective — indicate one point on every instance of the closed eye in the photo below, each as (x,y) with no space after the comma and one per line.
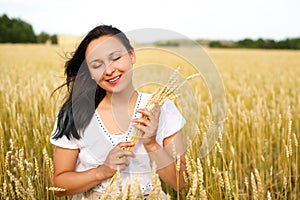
(116,58)
(97,65)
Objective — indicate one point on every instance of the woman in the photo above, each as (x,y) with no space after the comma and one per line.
(101,112)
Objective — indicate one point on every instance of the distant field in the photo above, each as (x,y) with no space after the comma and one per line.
(68,39)
(257,156)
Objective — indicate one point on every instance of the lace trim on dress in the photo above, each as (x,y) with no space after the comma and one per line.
(128,133)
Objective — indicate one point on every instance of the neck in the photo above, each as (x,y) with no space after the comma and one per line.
(120,99)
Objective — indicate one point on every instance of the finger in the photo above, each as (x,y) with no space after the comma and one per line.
(141,127)
(123,161)
(121,167)
(120,161)
(123,153)
(144,112)
(128,154)
(148,130)
(156,111)
(142,120)
(123,145)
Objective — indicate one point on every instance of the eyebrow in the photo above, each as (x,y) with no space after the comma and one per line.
(95,60)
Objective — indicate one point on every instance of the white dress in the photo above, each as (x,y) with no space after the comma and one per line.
(97,142)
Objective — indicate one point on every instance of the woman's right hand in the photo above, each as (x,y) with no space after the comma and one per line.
(118,156)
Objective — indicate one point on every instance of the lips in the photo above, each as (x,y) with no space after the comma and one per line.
(114,80)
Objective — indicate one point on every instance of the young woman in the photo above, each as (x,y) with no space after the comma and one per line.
(100,114)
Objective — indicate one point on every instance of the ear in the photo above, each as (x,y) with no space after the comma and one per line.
(132,56)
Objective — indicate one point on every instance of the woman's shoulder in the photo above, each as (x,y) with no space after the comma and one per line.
(64,142)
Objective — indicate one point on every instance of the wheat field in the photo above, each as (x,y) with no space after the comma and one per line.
(256,157)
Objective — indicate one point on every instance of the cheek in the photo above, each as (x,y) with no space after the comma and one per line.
(96,74)
(129,74)
(127,77)
(99,80)
(125,64)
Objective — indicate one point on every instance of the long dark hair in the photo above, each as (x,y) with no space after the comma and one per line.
(84,95)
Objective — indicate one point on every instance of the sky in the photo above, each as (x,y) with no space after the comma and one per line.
(195,19)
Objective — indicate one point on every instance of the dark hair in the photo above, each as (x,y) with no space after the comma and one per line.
(84,95)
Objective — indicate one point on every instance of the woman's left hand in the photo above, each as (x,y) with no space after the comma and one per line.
(148,123)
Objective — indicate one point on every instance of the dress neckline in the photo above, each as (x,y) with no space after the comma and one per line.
(129,130)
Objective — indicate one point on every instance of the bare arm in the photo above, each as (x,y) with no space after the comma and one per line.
(73,182)
(166,164)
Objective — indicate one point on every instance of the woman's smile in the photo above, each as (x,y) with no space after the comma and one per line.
(114,80)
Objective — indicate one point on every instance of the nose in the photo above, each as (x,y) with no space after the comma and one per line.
(110,69)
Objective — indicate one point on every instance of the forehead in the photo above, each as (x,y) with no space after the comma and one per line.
(103,46)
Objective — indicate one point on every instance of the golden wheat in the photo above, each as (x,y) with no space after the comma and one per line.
(256,157)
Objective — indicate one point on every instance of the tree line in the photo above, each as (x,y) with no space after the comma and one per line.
(289,43)
(14,30)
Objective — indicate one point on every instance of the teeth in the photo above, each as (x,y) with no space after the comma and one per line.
(116,78)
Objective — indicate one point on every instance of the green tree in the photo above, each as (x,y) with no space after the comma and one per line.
(246,43)
(216,44)
(15,31)
(4,27)
(42,37)
(54,39)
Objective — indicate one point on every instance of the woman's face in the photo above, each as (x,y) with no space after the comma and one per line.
(110,64)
